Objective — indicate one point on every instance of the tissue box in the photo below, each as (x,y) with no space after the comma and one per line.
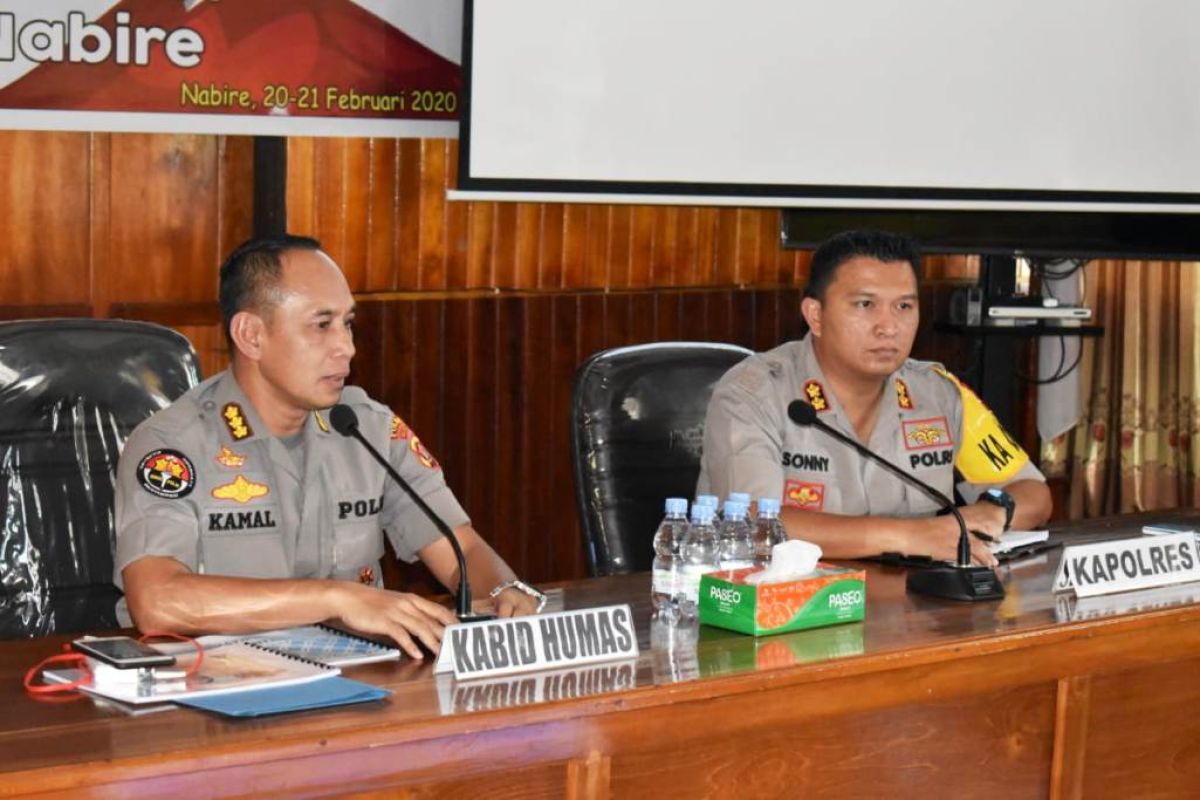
(828,596)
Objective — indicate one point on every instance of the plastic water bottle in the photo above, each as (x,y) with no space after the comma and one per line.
(768,530)
(667,541)
(699,554)
(735,547)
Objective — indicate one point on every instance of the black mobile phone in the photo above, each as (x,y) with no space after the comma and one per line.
(123,652)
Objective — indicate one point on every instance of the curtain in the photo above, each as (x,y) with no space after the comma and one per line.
(1136,448)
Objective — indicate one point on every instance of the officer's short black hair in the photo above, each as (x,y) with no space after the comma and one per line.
(840,248)
(252,272)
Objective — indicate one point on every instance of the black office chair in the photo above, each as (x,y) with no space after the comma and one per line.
(637,426)
(71,391)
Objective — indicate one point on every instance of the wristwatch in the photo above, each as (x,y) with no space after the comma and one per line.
(1003,499)
(521,586)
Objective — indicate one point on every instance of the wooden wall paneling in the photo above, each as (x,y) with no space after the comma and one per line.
(538,523)
(381,179)
(527,246)
(574,247)
(432,256)
(550,246)
(641,317)
(101,290)
(235,194)
(44,211)
(724,270)
(503,273)
(641,248)
(409,222)
(749,268)
(620,246)
(597,266)
(356,220)
(481,387)
(509,391)
(476,269)
(704,234)
(667,317)
(450,402)
(301,181)
(666,247)
(163,227)
(566,557)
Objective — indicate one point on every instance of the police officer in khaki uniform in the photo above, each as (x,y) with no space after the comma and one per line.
(853,368)
(240,509)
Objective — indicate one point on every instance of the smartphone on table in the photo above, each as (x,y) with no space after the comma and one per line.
(122,652)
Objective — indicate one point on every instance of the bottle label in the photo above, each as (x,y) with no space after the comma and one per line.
(689,580)
(666,582)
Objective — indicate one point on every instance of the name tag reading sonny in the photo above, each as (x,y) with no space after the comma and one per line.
(545,641)
(1107,567)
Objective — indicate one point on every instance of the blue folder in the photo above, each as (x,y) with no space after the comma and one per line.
(324,693)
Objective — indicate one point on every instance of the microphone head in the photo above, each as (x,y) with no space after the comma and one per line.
(801,413)
(343,419)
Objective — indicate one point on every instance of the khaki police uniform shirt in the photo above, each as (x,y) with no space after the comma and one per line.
(929,424)
(204,482)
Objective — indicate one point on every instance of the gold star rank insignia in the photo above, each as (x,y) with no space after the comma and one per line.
(235,420)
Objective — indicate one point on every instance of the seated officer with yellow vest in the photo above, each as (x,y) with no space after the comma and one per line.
(239,509)
(853,368)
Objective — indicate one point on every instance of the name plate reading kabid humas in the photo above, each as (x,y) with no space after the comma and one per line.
(1107,567)
(546,641)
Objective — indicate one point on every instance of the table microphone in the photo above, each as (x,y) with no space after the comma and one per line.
(345,421)
(961,581)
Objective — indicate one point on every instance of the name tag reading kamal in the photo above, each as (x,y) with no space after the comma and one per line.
(1107,567)
(547,641)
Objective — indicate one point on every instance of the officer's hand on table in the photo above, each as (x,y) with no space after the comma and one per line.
(513,602)
(509,603)
(398,615)
(940,535)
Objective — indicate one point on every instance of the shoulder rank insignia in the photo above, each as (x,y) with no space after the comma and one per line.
(166,473)
(815,393)
(422,453)
(228,458)
(235,420)
(399,429)
(987,453)
(903,398)
(240,490)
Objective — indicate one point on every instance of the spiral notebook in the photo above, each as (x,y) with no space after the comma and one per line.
(322,644)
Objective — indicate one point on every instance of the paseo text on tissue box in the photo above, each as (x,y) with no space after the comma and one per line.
(828,596)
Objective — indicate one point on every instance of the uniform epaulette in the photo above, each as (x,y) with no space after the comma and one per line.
(753,373)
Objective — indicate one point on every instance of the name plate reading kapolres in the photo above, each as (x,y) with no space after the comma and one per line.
(547,641)
(1107,567)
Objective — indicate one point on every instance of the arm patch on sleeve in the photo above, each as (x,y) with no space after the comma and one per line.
(986,454)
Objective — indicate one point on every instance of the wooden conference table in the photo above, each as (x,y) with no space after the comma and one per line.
(1033,696)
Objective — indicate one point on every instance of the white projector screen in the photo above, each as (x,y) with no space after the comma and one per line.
(1028,105)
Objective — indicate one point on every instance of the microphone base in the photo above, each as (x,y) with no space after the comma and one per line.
(967,584)
(473,617)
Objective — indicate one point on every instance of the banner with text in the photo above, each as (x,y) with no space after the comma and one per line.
(306,67)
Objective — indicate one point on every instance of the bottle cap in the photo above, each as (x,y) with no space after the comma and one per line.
(677,506)
(702,515)
(740,497)
(735,509)
(709,500)
(768,505)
